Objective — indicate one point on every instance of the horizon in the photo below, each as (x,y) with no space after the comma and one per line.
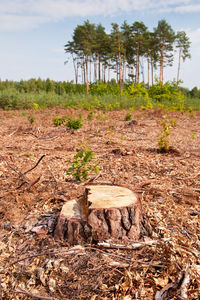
(33,33)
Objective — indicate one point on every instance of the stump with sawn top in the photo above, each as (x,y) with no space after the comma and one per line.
(104,212)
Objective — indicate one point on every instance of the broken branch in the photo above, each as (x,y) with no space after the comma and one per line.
(131,246)
(35,165)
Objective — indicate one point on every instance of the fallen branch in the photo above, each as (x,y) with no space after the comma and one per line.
(74,250)
(0,291)
(131,246)
(33,183)
(16,171)
(181,285)
(13,132)
(185,283)
(162,294)
(33,295)
(35,165)
(92,179)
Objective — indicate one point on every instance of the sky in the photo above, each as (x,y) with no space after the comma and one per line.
(33,33)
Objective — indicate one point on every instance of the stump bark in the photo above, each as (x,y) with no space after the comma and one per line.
(104,212)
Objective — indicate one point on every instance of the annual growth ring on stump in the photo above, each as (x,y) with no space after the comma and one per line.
(104,212)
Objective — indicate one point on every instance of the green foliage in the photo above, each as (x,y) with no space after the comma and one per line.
(59,121)
(31,119)
(147,105)
(191,113)
(35,106)
(33,95)
(100,88)
(83,165)
(29,154)
(166,92)
(74,124)
(195,92)
(128,117)
(163,140)
(90,116)
(193,135)
(137,90)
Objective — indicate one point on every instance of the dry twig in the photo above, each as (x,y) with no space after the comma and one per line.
(185,283)
(131,246)
(33,295)
(34,165)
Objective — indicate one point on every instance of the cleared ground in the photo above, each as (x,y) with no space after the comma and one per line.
(169,184)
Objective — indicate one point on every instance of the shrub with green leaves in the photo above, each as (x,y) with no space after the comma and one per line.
(90,115)
(74,124)
(59,121)
(128,117)
(163,141)
(83,165)
(136,90)
(169,91)
(31,119)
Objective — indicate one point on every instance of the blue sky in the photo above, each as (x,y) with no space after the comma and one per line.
(33,32)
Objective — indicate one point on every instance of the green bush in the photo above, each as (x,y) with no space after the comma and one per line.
(59,121)
(38,93)
(168,91)
(136,90)
(128,117)
(83,165)
(163,140)
(31,119)
(74,124)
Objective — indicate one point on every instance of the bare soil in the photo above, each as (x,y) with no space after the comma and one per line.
(32,264)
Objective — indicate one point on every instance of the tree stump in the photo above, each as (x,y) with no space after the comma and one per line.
(104,212)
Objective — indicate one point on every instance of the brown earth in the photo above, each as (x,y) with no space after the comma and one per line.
(32,264)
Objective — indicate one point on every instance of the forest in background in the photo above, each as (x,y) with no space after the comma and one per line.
(116,70)
(38,93)
(129,52)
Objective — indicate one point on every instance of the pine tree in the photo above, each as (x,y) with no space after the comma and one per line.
(100,46)
(83,38)
(165,37)
(138,31)
(183,45)
(129,50)
(117,50)
(71,48)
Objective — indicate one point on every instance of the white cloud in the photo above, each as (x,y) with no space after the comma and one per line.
(25,14)
(188,8)
(18,23)
(194,36)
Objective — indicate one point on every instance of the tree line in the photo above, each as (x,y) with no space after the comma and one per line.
(128,50)
(48,86)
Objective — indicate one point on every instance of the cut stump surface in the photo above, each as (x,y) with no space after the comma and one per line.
(104,212)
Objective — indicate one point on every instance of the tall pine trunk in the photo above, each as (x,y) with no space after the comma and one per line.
(152,66)
(117,71)
(119,57)
(75,69)
(95,69)
(138,62)
(124,69)
(99,66)
(148,66)
(142,70)
(87,83)
(162,63)
(104,74)
(82,70)
(179,64)
(90,71)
